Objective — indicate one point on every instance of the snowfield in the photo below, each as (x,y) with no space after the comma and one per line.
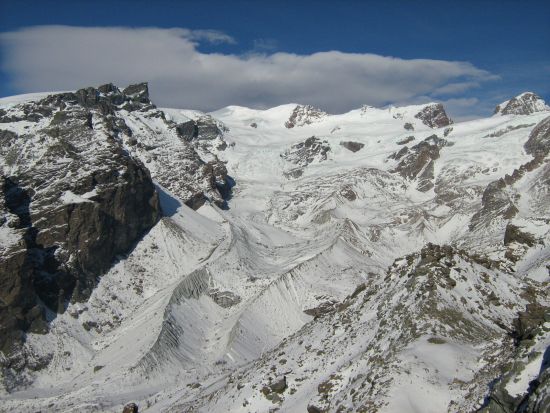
(321,286)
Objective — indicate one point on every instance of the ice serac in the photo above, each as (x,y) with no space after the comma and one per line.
(434,116)
(72,199)
(525,104)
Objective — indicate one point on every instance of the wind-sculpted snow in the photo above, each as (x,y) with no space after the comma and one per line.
(374,261)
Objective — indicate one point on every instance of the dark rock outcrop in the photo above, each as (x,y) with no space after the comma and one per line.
(304,115)
(279,386)
(352,146)
(406,140)
(187,130)
(536,397)
(225,299)
(434,116)
(514,234)
(418,162)
(528,322)
(326,307)
(130,408)
(204,128)
(138,92)
(308,151)
(495,202)
(509,128)
(538,143)
(524,104)
(71,212)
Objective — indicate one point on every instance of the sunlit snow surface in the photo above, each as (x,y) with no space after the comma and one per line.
(286,245)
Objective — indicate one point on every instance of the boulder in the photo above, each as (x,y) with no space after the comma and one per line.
(131,408)
(352,146)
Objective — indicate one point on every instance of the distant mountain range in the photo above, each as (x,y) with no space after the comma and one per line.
(381,260)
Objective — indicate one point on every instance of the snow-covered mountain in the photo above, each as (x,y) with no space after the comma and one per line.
(381,260)
(523,104)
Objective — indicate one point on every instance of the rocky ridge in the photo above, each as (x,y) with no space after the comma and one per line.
(434,116)
(76,194)
(523,104)
(304,115)
(383,279)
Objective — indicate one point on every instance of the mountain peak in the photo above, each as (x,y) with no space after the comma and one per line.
(525,103)
(434,116)
(304,115)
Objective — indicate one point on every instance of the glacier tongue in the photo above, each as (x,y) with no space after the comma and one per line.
(407,275)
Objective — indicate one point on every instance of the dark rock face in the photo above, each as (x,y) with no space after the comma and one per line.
(524,104)
(509,128)
(206,134)
(187,130)
(406,140)
(70,213)
(527,326)
(434,116)
(352,146)
(528,322)
(408,126)
(538,398)
(278,386)
(514,234)
(495,202)
(225,299)
(306,152)
(302,154)
(538,143)
(139,92)
(130,408)
(304,115)
(326,307)
(347,192)
(205,128)
(419,161)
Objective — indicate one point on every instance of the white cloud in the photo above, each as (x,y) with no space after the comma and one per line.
(211,36)
(61,57)
(453,88)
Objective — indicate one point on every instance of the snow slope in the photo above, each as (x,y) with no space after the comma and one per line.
(319,271)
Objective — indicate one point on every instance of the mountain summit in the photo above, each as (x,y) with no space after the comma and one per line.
(523,104)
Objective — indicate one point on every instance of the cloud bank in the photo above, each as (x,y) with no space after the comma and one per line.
(44,58)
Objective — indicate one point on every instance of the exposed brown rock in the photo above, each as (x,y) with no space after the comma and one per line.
(434,116)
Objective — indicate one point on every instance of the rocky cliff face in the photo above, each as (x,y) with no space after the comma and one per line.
(434,116)
(75,194)
(304,115)
(72,200)
(302,154)
(524,104)
(418,162)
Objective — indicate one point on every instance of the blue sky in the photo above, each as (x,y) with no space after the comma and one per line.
(506,44)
